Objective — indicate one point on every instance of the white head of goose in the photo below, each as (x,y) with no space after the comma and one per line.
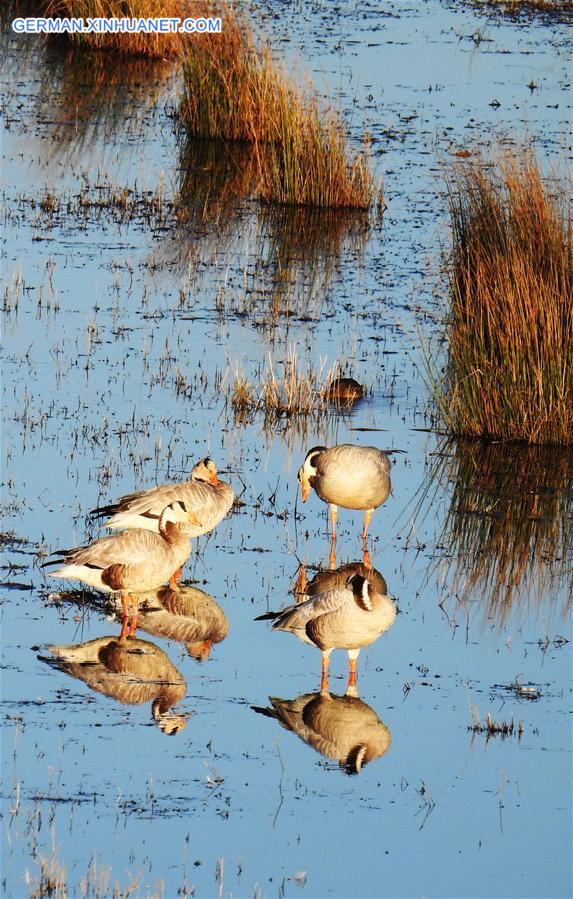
(204,494)
(133,561)
(348,617)
(354,477)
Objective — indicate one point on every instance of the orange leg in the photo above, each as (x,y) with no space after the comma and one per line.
(333,520)
(135,614)
(129,605)
(123,634)
(352,673)
(367,519)
(324,678)
(332,557)
(352,659)
(301,582)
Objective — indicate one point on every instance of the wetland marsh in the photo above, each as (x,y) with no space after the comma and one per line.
(137,281)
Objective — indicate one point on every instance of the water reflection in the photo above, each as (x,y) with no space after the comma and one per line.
(336,577)
(508,529)
(345,610)
(132,671)
(215,177)
(96,97)
(342,728)
(186,614)
(292,254)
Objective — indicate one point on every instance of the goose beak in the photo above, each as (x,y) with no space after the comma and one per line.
(194,520)
(213,478)
(305,491)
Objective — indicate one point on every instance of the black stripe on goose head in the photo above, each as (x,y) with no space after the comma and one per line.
(312,453)
(361,590)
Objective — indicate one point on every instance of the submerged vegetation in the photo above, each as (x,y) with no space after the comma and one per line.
(509,373)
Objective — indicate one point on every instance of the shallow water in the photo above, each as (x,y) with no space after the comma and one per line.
(119,326)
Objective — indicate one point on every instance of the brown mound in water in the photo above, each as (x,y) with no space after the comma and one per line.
(344,390)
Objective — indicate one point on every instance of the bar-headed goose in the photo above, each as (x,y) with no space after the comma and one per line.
(204,494)
(354,477)
(347,617)
(133,561)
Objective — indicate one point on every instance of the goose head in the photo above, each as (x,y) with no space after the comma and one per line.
(307,471)
(360,587)
(177,513)
(167,723)
(205,470)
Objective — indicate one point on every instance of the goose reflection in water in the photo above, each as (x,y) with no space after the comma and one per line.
(133,671)
(347,608)
(186,614)
(330,579)
(342,728)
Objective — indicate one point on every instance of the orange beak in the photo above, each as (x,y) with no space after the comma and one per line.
(305,491)
(213,478)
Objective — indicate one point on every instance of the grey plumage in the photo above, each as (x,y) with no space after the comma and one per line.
(347,617)
(203,494)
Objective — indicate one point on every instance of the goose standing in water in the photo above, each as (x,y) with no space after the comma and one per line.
(354,477)
(203,494)
(347,617)
(133,561)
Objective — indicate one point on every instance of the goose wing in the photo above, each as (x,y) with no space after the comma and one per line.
(213,501)
(298,616)
(127,548)
(149,503)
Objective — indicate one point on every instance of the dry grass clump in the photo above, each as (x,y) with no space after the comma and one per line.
(298,392)
(309,161)
(514,7)
(510,367)
(492,728)
(235,91)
